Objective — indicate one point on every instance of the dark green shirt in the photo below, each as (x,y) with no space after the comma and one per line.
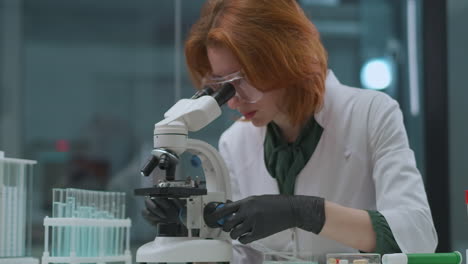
(284,161)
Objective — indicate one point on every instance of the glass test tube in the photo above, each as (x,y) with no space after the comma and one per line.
(71,205)
(18,218)
(13,215)
(3,208)
(99,248)
(8,183)
(122,229)
(123,201)
(106,229)
(60,231)
(21,193)
(14,207)
(6,212)
(71,211)
(116,241)
(55,213)
(89,232)
(112,230)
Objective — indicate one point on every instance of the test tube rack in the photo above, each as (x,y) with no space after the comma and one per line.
(87,227)
(15,210)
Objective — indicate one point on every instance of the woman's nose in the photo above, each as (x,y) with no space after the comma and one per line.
(233,103)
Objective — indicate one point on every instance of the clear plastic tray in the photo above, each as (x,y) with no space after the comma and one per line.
(289,258)
(349,258)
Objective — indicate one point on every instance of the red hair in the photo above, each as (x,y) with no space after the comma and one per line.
(274,42)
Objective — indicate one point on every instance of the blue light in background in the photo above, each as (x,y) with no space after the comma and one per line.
(320,2)
(377,74)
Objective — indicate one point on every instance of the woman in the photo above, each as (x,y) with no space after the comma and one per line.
(318,167)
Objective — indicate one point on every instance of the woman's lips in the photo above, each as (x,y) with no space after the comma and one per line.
(249,115)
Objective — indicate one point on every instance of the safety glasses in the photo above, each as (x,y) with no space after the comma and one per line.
(244,90)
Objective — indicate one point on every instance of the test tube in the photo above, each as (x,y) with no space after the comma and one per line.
(14,220)
(22,212)
(71,240)
(21,192)
(14,209)
(103,238)
(87,196)
(122,216)
(102,230)
(106,206)
(106,215)
(112,204)
(66,230)
(60,230)
(90,233)
(83,231)
(9,207)
(79,201)
(113,215)
(95,233)
(55,214)
(2,209)
(11,223)
(118,202)
(95,202)
(113,229)
(86,214)
(13,213)
(76,214)
(3,212)
(124,201)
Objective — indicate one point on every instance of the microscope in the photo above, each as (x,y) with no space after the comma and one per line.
(206,242)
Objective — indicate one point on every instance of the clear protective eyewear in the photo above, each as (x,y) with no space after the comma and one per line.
(244,90)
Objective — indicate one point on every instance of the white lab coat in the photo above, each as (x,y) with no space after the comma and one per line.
(362,161)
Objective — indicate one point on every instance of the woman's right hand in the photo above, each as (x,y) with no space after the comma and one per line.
(161,210)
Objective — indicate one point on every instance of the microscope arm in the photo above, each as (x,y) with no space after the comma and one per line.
(214,167)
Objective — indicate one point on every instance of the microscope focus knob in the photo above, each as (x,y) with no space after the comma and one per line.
(164,162)
(209,209)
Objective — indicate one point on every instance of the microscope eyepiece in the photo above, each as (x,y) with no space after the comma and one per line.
(223,95)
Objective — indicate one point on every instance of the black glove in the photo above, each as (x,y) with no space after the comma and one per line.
(163,210)
(257,217)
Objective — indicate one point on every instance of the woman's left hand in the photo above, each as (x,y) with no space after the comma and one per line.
(256,217)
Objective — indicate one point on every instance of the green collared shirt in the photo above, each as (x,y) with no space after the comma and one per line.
(283,160)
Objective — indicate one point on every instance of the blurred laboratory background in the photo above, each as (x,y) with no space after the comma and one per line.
(82,84)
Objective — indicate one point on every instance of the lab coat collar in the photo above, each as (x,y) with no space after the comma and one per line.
(321,116)
(331,79)
(330,83)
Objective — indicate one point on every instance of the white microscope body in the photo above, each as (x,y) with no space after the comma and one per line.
(203,244)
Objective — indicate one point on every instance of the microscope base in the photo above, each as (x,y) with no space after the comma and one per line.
(184,249)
